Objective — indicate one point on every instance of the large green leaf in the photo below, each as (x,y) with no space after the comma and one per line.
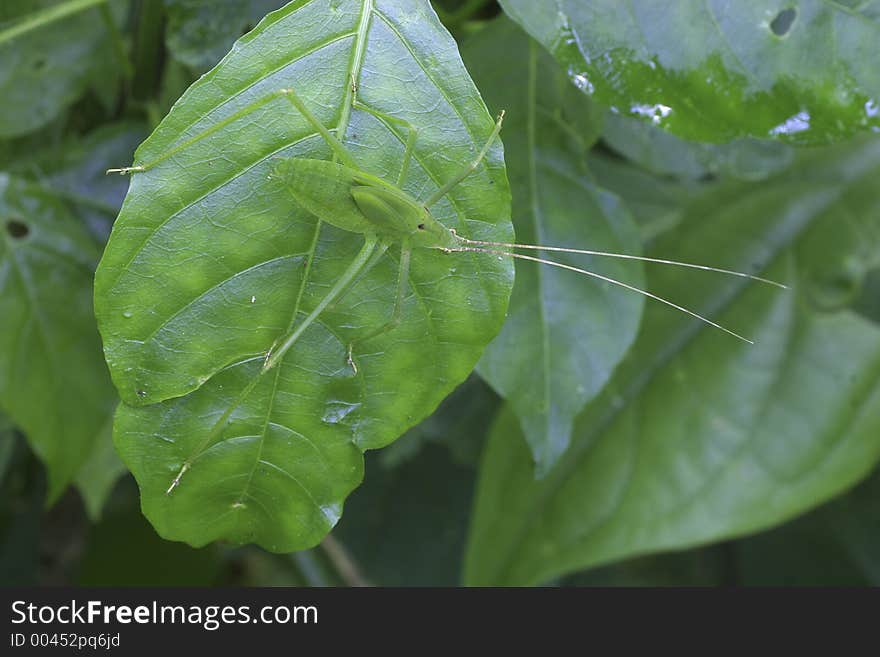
(210,262)
(50,50)
(798,70)
(53,383)
(566,330)
(699,436)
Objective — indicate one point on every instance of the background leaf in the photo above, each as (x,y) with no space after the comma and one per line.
(200,32)
(699,437)
(52,381)
(567,331)
(663,153)
(205,269)
(100,472)
(656,203)
(46,69)
(802,71)
(406,526)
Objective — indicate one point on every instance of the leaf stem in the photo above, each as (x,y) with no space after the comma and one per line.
(38,19)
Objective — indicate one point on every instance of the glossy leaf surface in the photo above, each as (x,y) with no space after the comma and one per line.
(801,71)
(211,262)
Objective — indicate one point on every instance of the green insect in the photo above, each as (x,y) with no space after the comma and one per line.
(342,194)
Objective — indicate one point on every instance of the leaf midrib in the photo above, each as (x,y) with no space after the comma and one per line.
(341,128)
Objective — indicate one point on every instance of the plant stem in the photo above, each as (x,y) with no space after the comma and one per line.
(346,567)
(148,50)
(117,41)
(310,569)
(38,19)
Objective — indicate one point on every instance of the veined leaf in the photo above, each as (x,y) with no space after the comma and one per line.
(699,437)
(211,262)
(567,331)
(53,383)
(804,71)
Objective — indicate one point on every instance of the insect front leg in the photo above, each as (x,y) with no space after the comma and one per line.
(469,168)
(412,135)
(337,146)
(394,321)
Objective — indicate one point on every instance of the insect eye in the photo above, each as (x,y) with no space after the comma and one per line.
(421,226)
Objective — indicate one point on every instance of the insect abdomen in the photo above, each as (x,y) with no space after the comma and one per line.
(324,189)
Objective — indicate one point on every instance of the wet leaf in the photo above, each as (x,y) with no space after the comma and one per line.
(802,71)
(207,267)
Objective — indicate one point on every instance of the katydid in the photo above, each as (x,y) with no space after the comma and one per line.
(342,194)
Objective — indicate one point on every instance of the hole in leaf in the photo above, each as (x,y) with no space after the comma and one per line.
(17,230)
(781,25)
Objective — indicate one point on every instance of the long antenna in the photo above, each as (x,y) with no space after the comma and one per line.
(537,247)
(601,278)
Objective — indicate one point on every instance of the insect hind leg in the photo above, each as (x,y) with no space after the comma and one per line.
(468,169)
(394,320)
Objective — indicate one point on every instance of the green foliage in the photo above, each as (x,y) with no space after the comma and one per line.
(200,32)
(51,51)
(52,381)
(699,437)
(193,290)
(582,435)
(802,71)
(569,333)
